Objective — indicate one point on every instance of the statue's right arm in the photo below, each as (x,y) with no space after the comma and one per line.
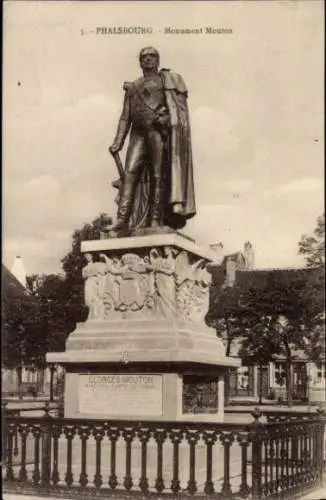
(123,125)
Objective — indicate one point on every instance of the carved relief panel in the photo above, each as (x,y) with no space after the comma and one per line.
(159,282)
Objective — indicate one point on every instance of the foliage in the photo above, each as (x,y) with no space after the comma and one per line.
(23,334)
(54,310)
(72,263)
(281,313)
(226,316)
(33,327)
(258,347)
(313,247)
(285,316)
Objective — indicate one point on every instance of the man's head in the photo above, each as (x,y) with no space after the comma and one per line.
(149,58)
(88,256)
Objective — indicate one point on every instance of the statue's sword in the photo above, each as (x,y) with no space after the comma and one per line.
(117,184)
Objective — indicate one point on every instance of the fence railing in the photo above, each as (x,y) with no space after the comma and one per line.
(52,409)
(276,459)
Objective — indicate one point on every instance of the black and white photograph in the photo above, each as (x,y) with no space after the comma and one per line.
(163,258)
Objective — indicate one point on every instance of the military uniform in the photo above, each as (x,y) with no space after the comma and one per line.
(144,104)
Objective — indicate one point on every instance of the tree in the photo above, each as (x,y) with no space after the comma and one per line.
(23,339)
(281,312)
(53,309)
(225,315)
(313,334)
(61,298)
(41,322)
(16,334)
(282,316)
(35,326)
(313,247)
(259,348)
(73,263)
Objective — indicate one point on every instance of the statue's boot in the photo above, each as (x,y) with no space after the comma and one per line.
(118,226)
(125,203)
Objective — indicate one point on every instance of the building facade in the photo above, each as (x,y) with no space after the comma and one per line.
(308,382)
(248,382)
(25,379)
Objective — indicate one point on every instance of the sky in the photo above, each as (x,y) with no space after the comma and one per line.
(256,110)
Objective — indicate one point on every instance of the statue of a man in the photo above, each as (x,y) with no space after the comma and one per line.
(157,185)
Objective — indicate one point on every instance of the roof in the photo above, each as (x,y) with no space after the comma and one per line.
(235,257)
(12,290)
(257,278)
(227,294)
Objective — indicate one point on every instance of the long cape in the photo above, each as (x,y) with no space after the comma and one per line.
(178,166)
(180,152)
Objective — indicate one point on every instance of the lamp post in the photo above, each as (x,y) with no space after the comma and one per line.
(20,371)
(33,381)
(52,372)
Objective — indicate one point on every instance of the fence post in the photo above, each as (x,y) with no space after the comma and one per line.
(46,447)
(4,447)
(52,372)
(256,439)
(321,430)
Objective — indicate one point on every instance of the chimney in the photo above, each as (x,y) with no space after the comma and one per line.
(19,271)
(249,256)
(230,272)
(219,250)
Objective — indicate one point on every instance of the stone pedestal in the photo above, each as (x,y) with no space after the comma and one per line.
(145,351)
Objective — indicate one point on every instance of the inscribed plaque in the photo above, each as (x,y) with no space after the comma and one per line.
(120,394)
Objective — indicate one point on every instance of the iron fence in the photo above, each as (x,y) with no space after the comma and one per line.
(277,459)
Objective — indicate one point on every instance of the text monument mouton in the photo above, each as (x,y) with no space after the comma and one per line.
(145,351)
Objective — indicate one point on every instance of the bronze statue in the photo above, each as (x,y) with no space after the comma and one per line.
(156,186)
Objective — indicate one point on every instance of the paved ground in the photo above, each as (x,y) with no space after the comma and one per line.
(184,458)
(319,494)
(273,407)
(236,414)
(13,405)
(7,496)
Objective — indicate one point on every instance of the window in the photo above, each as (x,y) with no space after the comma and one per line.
(243,377)
(320,372)
(279,374)
(25,374)
(299,373)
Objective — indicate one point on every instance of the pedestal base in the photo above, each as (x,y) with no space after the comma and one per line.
(133,395)
(147,298)
(165,341)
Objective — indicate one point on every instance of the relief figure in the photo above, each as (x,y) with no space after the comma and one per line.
(93,274)
(164,281)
